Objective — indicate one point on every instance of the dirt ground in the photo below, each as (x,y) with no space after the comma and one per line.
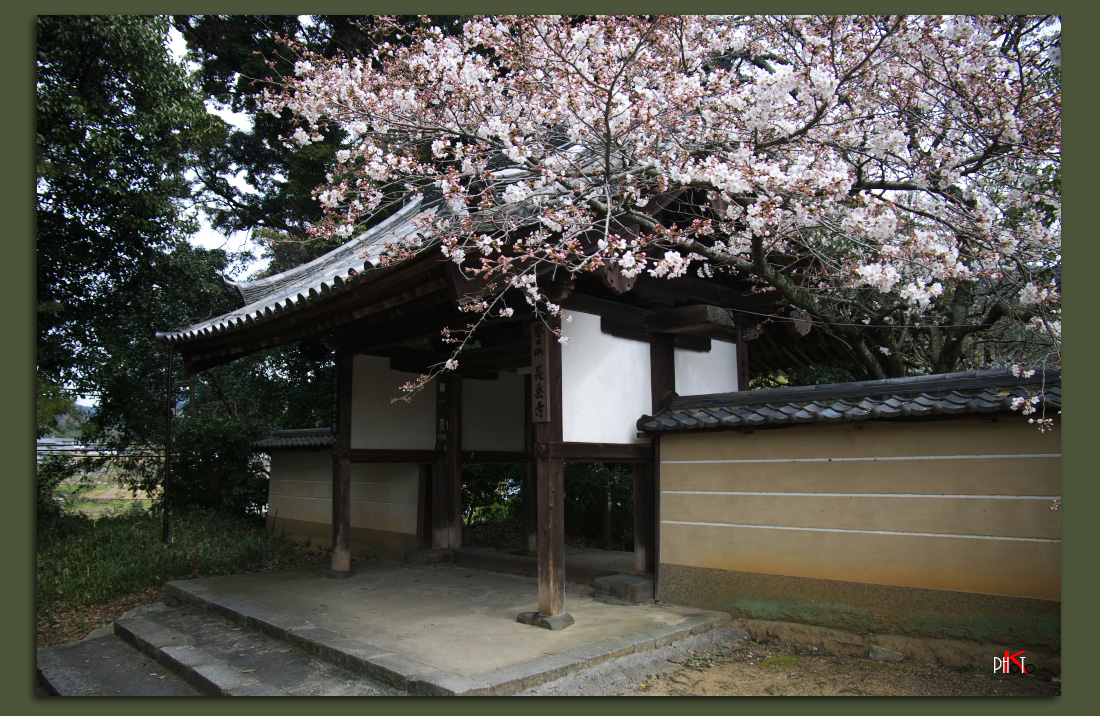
(768,668)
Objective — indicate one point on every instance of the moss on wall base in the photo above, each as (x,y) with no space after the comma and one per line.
(868,609)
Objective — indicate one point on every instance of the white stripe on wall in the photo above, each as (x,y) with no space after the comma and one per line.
(872,532)
(859,494)
(859,459)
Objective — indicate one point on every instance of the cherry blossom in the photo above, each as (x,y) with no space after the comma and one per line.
(895,178)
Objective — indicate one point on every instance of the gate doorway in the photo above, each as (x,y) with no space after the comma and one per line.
(499,530)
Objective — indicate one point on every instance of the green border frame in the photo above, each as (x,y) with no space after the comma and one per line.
(17,294)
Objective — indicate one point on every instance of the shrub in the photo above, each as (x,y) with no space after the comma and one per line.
(52,471)
(82,562)
(491,493)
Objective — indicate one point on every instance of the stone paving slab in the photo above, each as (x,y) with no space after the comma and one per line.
(440,629)
(221,657)
(105,666)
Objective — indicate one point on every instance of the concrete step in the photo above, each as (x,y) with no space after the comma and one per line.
(220,657)
(159,650)
(104,665)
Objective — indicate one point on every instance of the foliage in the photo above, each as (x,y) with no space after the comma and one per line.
(119,123)
(51,471)
(810,375)
(895,179)
(586,502)
(82,561)
(491,493)
(115,121)
(52,404)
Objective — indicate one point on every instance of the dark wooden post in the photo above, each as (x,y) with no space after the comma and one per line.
(550,477)
(341,470)
(529,489)
(424,508)
(662,363)
(644,527)
(447,478)
(742,360)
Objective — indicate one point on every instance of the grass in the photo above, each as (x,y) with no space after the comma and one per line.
(779,661)
(82,563)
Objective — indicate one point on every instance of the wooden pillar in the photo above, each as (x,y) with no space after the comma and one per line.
(546,413)
(424,507)
(550,472)
(656,522)
(529,489)
(662,363)
(742,360)
(341,469)
(644,525)
(447,477)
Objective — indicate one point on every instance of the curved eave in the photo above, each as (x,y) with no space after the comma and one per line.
(316,282)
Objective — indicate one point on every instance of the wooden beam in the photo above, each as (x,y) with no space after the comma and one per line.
(370,337)
(497,457)
(685,288)
(691,319)
(372,455)
(594,452)
(341,469)
(602,307)
(479,361)
(625,321)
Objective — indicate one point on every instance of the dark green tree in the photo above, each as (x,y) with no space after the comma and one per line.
(119,126)
(116,120)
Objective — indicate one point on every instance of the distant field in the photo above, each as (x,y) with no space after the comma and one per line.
(99,495)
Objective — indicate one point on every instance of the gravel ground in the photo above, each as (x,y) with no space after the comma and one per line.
(727,662)
(752,668)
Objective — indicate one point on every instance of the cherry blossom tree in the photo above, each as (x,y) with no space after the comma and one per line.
(896,180)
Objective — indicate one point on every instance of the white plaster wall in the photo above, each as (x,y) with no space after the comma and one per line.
(702,372)
(605,384)
(378,423)
(493,413)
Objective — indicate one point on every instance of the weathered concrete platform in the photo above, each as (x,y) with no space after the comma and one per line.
(442,629)
(388,629)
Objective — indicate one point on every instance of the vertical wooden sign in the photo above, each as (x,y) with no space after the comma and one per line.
(540,405)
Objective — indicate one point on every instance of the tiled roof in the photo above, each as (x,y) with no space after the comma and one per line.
(288,439)
(982,391)
(264,299)
(330,274)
